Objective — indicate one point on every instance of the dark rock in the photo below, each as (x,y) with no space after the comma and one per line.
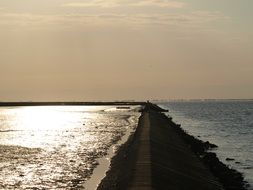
(209,145)
(229,178)
(230,159)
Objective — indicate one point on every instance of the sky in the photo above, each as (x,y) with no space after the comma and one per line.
(89,50)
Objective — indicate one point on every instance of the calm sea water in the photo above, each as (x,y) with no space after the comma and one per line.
(228,124)
(57,146)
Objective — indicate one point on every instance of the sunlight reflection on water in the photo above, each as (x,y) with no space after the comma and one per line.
(56,146)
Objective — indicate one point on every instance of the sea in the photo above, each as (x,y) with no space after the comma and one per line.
(58,147)
(70,147)
(226,123)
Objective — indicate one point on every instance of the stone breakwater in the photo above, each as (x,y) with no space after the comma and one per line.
(160,155)
(230,178)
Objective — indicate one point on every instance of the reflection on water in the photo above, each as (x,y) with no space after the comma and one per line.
(56,147)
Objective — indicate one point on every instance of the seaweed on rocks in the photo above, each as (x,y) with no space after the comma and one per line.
(230,178)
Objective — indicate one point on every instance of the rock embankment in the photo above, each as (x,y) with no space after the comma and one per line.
(160,155)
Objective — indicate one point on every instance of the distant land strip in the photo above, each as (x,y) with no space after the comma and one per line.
(117,103)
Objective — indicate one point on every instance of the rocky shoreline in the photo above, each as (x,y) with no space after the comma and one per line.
(231,179)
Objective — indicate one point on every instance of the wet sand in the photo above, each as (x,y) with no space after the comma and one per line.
(58,148)
(160,155)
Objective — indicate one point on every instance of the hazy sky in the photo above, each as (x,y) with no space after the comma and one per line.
(125,49)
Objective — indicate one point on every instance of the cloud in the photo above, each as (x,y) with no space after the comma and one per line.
(192,19)
(118,3)
(23,19)
(95,3)
(159,3)
(41,20)
(207,16)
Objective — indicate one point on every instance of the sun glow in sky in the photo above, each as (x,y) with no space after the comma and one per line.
(67,50)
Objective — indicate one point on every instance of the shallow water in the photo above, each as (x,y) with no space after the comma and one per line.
(228,124)
(49,147)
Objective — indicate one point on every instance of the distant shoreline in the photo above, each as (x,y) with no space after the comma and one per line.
(199,100)
(109,103)
(116,103)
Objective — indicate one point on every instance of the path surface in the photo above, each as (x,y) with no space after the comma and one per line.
(142,176)
(157,158)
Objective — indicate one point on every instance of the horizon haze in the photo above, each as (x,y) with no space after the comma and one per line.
(102,50)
